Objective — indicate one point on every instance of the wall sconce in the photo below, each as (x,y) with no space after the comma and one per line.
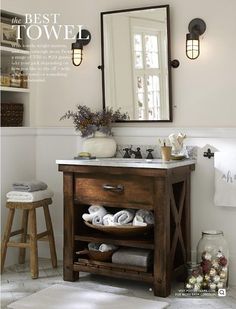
(196,28)
(82,38)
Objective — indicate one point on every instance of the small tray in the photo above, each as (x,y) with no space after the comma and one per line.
(121,230)
(177,157)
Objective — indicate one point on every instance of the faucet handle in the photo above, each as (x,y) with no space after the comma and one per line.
(150,156)
(127,153)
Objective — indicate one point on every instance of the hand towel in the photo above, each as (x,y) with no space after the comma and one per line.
(94,210)
(29,186)
(107,247)
(133,256)
(28,197)
(225,179)
(138,221)
(124,216)
(97,219)
(143,216)
(108,219)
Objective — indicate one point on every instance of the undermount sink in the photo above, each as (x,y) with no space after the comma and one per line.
(132,160)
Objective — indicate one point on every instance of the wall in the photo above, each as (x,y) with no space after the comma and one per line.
(203,89)
(203,92)
(18,162)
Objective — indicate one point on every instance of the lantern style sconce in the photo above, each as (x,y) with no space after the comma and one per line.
(82,38)
(196,28)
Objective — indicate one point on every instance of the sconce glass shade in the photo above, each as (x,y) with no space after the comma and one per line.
(192,46)
(82,39)
(77,56)
(196,28)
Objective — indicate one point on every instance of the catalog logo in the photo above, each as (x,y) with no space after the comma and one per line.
(48,25)
(222,292)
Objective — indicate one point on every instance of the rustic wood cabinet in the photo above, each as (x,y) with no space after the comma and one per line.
(163,189)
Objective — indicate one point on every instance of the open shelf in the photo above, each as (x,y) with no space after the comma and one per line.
(111,239)
(6,50)
(110,269)
(15,89)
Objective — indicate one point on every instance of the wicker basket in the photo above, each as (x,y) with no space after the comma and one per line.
(12,114)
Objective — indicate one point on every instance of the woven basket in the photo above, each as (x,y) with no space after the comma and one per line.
(12,114)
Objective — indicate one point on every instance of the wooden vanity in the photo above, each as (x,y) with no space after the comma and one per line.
(163,188)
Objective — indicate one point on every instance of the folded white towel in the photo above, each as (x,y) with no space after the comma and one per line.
(106,247)
(97,219)
(94,210)
(108,219)
(28,197)
(124,216)
(145,216)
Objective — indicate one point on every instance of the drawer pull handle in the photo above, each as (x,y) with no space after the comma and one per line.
(118,188)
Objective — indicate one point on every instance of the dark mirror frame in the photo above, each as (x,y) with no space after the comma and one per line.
(168,57)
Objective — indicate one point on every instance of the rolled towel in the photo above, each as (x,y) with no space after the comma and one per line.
(97,219)
(108,219)
(138,221)
(106,247)
(29,186)
(93,246)
(146,215)
(124,216)
(133,256)
(28,197)
(94,210)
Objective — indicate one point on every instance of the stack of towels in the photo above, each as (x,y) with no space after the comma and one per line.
(98,215)
(29,191)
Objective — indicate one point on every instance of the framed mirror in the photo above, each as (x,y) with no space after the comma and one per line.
(136,66)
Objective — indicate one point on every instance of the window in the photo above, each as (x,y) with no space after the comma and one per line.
(147,72)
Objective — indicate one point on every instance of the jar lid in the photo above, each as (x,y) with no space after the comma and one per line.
(212,232)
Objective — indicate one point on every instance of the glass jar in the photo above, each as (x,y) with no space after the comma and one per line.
(213,257)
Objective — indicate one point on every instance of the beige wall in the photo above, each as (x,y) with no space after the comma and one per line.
(203,89)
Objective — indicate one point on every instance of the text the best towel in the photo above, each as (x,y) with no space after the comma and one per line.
(28,197)
(29,186)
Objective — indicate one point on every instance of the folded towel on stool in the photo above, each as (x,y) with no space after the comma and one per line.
(28,197)
(29,186)
(94,210)
(133,256)
(124,216)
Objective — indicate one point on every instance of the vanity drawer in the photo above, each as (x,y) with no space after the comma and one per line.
(114,190)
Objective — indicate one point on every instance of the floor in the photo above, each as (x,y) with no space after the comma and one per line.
(16,283)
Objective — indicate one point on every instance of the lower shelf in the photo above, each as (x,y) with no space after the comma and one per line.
(113,270)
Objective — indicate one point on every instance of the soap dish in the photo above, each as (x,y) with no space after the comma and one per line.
(177,157)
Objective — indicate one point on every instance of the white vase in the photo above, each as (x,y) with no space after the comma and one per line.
(100,146)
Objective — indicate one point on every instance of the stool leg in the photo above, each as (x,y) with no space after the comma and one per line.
(33,244)
(6,236)
(24,226)
(50,236)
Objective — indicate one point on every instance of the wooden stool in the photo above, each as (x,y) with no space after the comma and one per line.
(29,210)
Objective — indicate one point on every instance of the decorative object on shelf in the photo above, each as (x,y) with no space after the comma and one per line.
(212,256)
(5,80)
(12,114)
(196,28)
(96,128)
(83,38)
(23,80)
(15,78)
(9,34)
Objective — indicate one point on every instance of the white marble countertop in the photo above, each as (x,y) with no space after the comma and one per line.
(137,163)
